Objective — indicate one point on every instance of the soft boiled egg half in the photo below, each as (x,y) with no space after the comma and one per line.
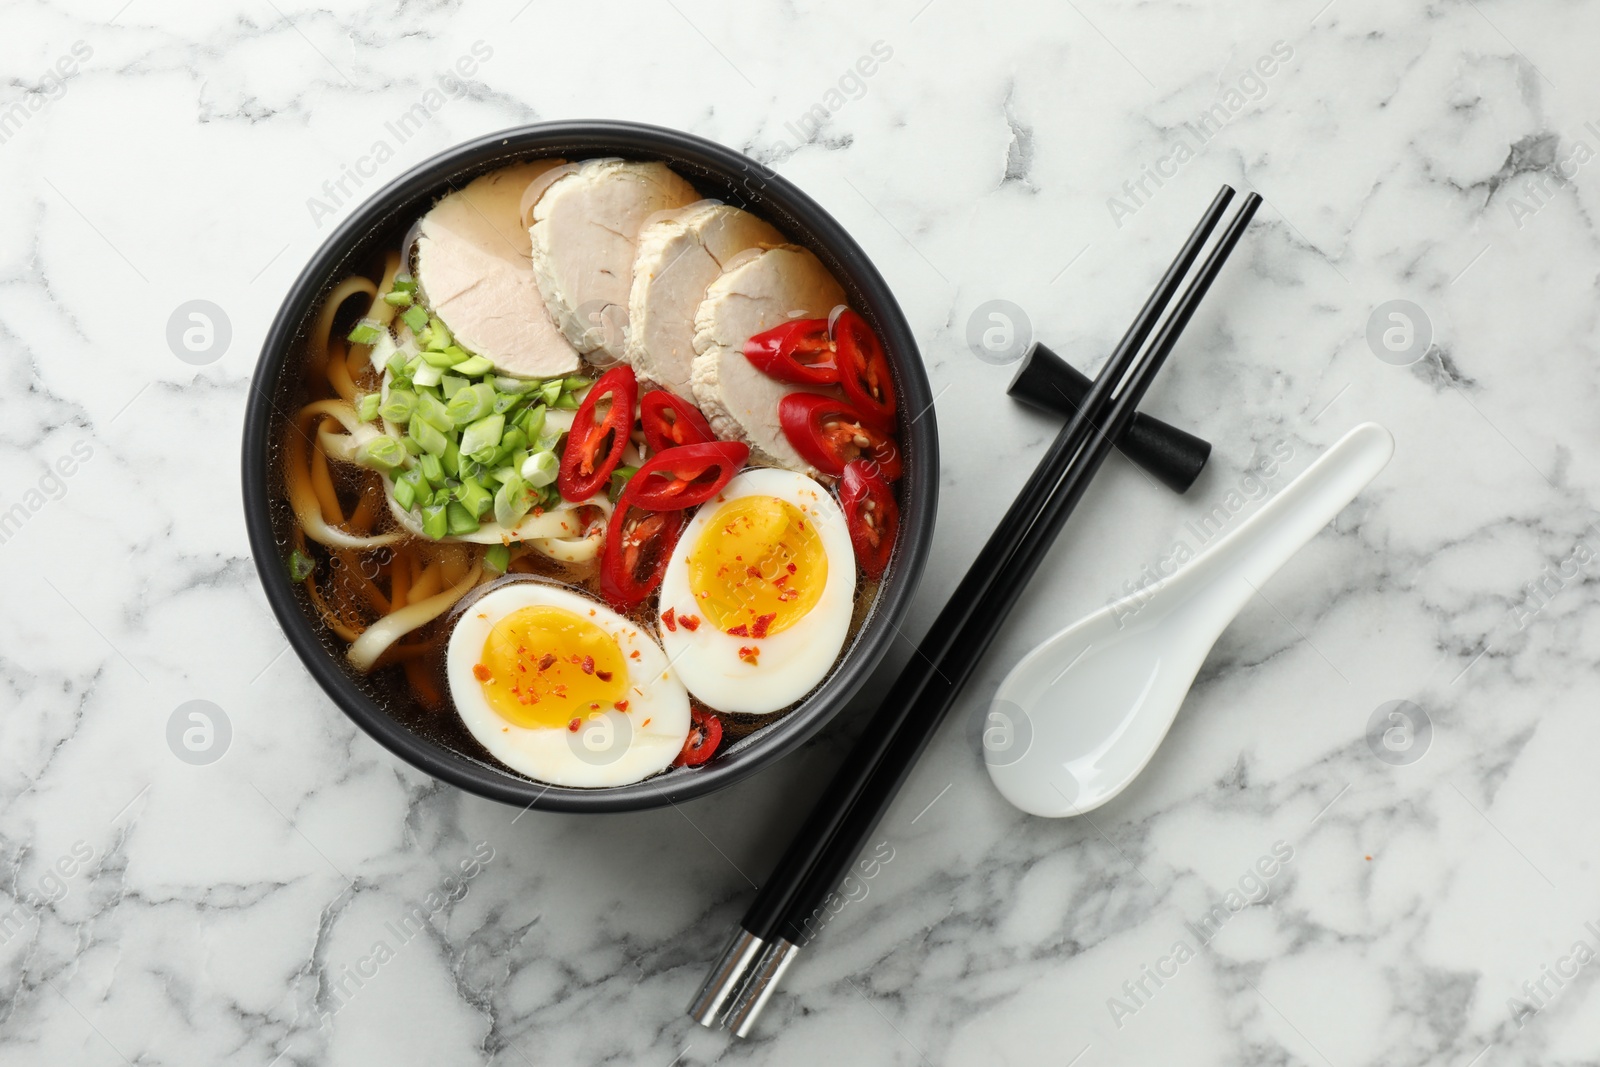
(564,689)
(757,597)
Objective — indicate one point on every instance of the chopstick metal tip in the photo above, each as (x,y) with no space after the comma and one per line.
(727,978)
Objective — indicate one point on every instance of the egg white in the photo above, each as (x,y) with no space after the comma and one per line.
(549,754)
(791,662)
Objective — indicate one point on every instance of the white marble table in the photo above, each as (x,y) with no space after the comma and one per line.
(1419,911)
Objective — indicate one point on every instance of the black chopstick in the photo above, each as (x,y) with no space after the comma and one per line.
(780,918)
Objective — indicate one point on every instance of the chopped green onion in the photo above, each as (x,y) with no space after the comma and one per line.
(551,390)
(448,356)
(430,438)
(397,364)
(497,559)
(413,446)
(566,402)
(405,494)
(466,468)
(474,367)
(397,298)
(482,438)
(399,406)
(504,402)
(452,458)
(512,441)
(515,386)
(459,521)
(382,453)
(367,407)
(438,337)
(512,502)
(572,385)
(474,497)
(435,522)
(532,421)
(433,411)
(619,478)
(471,404)
(302,566)
(432,469)
(539,469)
(416,318)
(452,384)
(404,283)
(426,375)
(366,332)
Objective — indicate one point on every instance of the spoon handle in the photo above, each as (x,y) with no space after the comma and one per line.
(1235,567)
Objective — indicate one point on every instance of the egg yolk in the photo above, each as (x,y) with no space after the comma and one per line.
(546,667)
(758,567)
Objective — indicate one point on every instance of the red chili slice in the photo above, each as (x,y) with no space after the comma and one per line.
(684,477)
(829,433)
(595,448)
(638,546)
(864,369)
(670,421)
(871,514)
(799,350)
(705,734)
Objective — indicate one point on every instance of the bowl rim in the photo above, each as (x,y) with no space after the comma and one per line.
(823,235)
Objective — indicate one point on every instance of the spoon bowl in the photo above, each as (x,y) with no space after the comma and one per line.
(1080,716)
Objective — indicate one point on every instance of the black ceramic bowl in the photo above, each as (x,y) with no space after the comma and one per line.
(718,172)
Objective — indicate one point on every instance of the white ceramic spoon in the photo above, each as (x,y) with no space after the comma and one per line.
(1082,714)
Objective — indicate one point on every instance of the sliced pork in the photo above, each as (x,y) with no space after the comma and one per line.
(679,256)
(473,266)
(583,235)
(757,292)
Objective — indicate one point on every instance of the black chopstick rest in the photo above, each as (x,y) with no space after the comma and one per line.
(1173,456)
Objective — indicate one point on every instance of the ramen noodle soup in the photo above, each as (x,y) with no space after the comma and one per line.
(589,476)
